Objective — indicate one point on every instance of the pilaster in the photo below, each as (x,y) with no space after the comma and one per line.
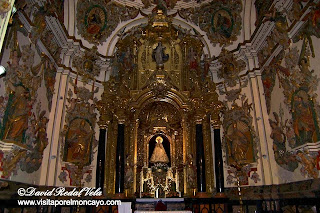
(51,153)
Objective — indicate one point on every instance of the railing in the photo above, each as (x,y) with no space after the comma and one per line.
(196,205)
(254,206)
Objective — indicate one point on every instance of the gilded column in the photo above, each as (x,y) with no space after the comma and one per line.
(185,150)
(135,154)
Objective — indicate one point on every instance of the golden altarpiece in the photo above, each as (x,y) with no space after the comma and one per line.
(159,91)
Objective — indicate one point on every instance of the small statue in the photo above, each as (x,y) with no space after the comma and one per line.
(159,56)
(191,171)
(128,172)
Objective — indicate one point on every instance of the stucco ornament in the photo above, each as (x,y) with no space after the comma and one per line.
(242,175)
(229,71)
(87,64)
(300,91)
(240,143)
(240,140)
(280,135)
(4,7)
(78,135)
(221,20)
(96,20)
(24,120)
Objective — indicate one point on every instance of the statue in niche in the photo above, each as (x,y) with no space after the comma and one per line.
(159,154)
(17,121)
(158,54)
(304,125)
(193,63)
(128,172)
(191,171)
(239,144)
(78,141)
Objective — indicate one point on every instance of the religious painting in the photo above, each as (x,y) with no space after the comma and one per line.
(78,142)
(96,19)
(78,135)
(222,22)
(16,115)
(23,115)
(239,144)
(305,124)
(280,134)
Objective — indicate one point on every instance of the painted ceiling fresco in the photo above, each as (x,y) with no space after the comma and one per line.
(220,21)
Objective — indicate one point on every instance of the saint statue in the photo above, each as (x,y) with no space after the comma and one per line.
(158,54)
(159,155)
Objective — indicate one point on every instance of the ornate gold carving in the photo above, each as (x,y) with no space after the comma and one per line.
(163,98)
(208,156)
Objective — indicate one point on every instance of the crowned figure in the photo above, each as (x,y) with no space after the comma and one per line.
(159,154)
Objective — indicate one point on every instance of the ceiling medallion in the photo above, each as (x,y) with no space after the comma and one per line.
(221,20)
(96,20)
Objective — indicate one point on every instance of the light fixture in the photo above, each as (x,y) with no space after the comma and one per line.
(2,70)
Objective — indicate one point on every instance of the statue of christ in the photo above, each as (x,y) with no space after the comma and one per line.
(159,155)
